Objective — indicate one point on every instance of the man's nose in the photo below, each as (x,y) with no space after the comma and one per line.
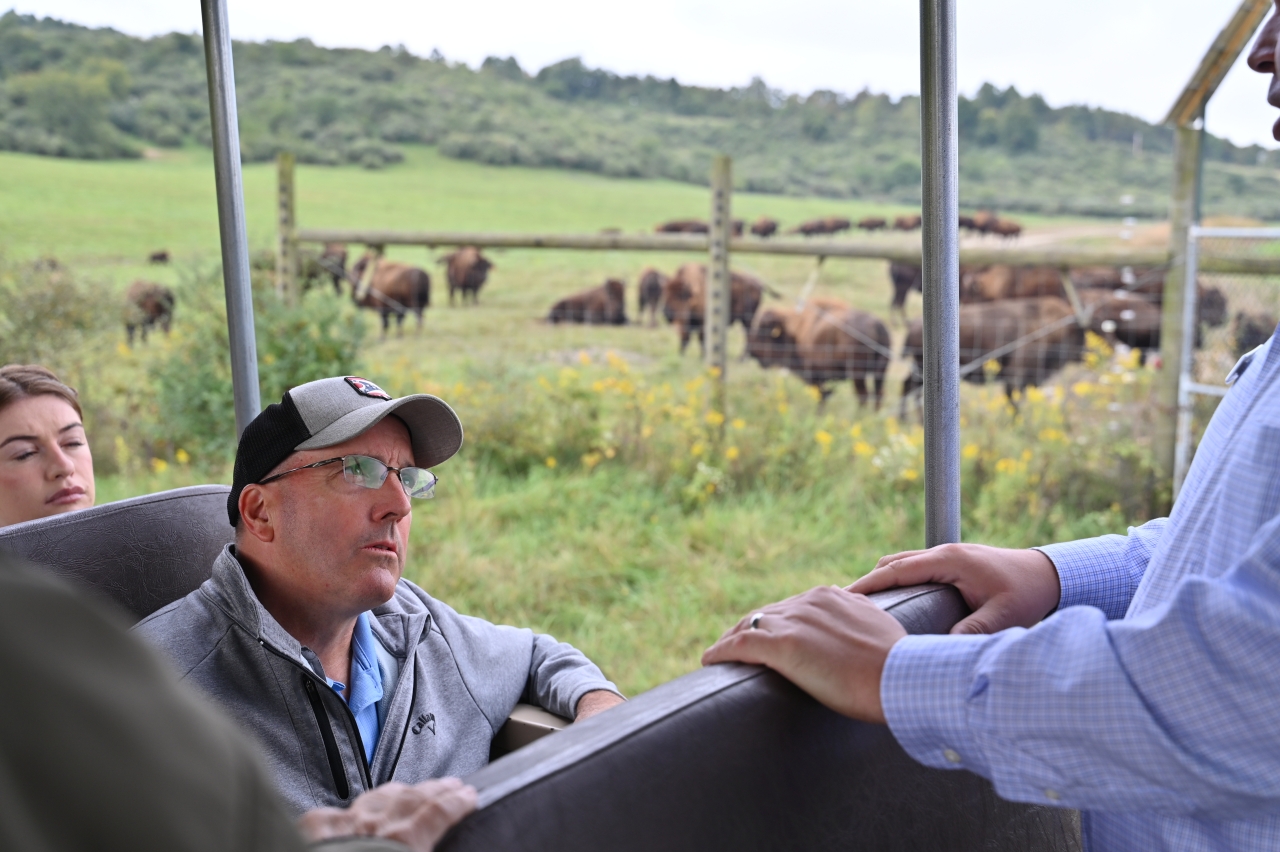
(392,498)
(1263,56)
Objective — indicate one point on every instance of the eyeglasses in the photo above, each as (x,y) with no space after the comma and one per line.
(368,472)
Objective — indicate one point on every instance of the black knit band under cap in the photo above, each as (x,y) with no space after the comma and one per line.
(329,411)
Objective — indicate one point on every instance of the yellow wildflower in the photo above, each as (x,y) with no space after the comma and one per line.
(182,456)
(1026,455)
(697,449)
(1051,434)
(813,392)
(731,453)
(551,461)
(1082,388)
(646,431)
(714,418)
(1006,466)
(911,474)
(159,465)
(590,460)
(610,452)
(864,449)
(782,408)
(856,431)
(970,451)
(738,423)
(823,437)
(584,358)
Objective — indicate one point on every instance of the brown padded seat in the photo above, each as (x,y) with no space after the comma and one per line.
(142,553)
(730,757)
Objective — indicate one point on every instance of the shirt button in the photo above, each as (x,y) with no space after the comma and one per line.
(1052,794)
(951,755)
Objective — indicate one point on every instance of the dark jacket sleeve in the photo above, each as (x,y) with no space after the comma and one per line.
(101,749)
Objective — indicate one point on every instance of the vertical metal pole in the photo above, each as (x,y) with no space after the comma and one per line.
(941,257)
(1182,451)
(1186,158)
(230,187)
(286,240)
(717,314)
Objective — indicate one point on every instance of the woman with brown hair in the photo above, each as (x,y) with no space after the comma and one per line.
(45,464)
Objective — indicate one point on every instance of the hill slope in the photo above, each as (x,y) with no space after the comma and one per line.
(67,90)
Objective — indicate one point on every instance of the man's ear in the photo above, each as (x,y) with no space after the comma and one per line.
(257,515)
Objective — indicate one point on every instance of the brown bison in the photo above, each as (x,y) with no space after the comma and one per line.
(390,288)
(683,226)
(967,223)
(1002,281)
(603,305)
(829,225)
(330,263)
(905,277)
(684,301)
(1007,229)
(907,223)
(764,227)
(467,270)
(161,256)
(1028,339)
(872,223)
(1251,331)
(1120,317)
(984,221)
(650,293)
(147,304)
(825,341)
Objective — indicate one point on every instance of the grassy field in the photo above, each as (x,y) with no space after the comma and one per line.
(637,547)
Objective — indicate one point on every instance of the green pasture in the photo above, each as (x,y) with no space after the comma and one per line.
(562,512)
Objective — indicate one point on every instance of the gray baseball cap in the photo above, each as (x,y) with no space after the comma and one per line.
(329,411)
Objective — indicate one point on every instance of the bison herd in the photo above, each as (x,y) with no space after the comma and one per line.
(982,222)
(1018,324)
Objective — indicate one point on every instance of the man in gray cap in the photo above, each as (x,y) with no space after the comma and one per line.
(348,675)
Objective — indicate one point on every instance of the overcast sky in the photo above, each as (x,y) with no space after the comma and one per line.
(1128,55)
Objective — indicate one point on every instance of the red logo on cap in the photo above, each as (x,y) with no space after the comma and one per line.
(364,387)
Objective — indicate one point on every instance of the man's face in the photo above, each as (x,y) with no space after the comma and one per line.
(339,548)
(1263,60)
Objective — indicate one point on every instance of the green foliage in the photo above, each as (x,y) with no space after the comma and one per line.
(347,106)
(190,372)
(44,313)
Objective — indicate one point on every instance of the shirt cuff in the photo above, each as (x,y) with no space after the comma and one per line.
(926,683)
(1088,569)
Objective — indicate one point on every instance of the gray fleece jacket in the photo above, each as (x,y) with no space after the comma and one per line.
(458,679)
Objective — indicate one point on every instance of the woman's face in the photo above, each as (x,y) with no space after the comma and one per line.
(45,465)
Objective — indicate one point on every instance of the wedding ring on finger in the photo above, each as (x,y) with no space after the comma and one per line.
(755,619)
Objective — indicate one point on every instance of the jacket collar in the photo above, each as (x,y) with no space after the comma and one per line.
(399,623)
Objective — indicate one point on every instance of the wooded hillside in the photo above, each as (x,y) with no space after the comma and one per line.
(71,91)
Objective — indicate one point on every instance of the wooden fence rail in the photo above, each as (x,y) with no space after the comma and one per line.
(698,244)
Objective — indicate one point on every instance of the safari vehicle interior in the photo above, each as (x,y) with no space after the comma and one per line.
(727,757)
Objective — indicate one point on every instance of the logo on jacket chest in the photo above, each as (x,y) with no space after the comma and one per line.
(426,720)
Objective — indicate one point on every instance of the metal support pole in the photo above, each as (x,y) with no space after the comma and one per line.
(1186,156)
(230,187)
(286,238)
(1182,451)
(941,265)
(717,313)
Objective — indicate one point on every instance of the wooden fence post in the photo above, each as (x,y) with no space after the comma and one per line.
(286,236)
(717,310)
(1182,217)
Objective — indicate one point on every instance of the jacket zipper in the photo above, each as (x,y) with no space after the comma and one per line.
(332,752)
(330,744)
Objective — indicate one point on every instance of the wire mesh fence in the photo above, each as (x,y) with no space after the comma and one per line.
(1245,309)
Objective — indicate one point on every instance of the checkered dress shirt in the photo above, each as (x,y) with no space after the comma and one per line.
(1150,699)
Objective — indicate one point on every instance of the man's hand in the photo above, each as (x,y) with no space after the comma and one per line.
(1004,588)
(416,816)
(596,701)
(829,642)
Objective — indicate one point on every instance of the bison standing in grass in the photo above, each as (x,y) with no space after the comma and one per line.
(764,227)
(684,300)
(828,225)
(683,226)
(603,305)
(467,270)
(905,277)
(390,288)
(907,223)
(1027,339)
(825,341)
(650,293)
(872,223)
(147,304)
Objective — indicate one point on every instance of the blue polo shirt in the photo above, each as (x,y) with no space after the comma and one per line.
(366,685)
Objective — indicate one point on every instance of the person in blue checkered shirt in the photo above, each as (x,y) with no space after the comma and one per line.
(1135,677)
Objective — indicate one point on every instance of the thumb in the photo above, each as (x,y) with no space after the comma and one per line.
(975,624)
